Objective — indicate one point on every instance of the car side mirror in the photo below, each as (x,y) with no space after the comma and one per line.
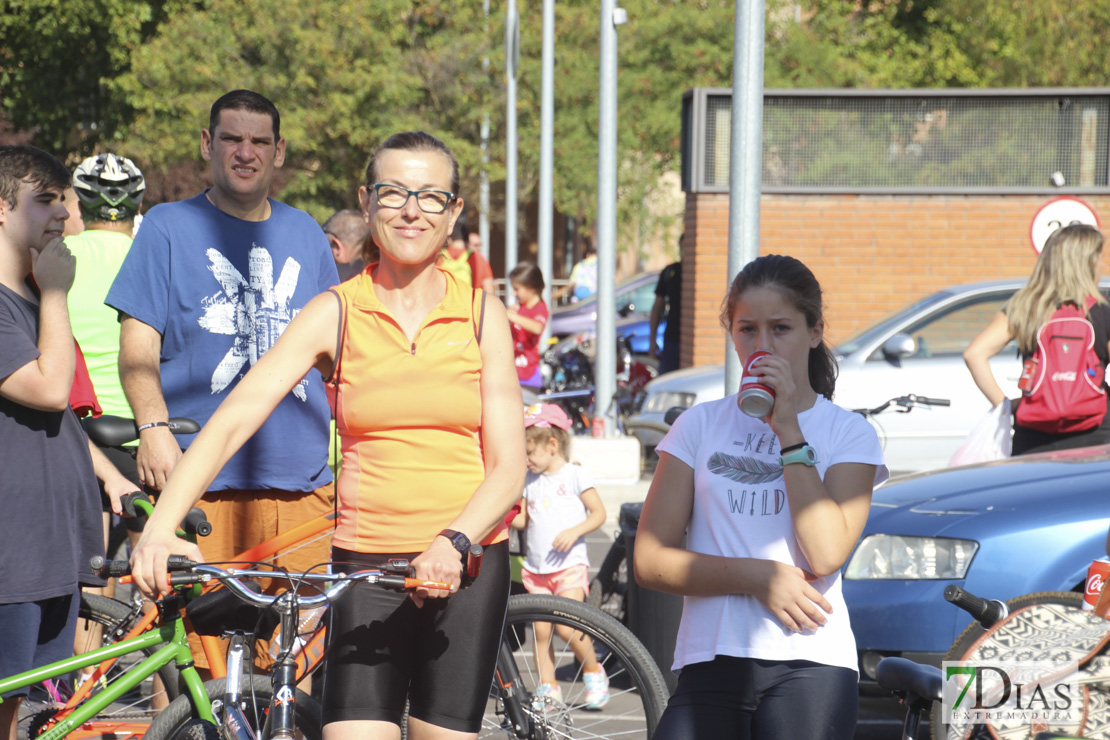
(899,347)
(673,413)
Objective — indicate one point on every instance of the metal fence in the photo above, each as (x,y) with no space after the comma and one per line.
(909,141)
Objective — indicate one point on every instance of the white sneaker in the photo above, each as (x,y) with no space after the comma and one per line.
(552,694)
(597,688)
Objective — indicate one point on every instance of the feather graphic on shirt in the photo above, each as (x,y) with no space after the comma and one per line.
(743,469)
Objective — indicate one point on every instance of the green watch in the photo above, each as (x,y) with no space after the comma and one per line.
(805,455)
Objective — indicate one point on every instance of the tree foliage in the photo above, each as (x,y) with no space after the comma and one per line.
(140,75)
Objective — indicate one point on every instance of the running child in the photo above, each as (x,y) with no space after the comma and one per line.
(562,507)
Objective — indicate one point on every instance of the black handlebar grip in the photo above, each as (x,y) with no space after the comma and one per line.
(109,568)
(127,501)
(196,523)
(986,612)
(934,401)
(474,561)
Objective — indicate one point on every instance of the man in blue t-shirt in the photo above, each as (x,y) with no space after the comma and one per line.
(209,285)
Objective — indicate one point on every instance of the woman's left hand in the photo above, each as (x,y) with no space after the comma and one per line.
(440,562)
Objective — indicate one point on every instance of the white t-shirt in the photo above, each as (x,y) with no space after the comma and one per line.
(741,510)
(555,504)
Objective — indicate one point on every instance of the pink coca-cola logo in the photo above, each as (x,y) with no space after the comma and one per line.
(1094,584)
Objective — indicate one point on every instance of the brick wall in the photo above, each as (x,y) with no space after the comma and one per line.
(872,254)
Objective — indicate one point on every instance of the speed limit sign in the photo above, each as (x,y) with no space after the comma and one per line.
(1057,213)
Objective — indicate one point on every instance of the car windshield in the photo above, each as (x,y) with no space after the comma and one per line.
(882,326)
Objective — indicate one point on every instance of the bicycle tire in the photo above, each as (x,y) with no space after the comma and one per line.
(113,615)
(179,720)
(638,691)
(974,631)
(609,586)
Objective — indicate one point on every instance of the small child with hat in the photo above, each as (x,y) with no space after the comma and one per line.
(561,508)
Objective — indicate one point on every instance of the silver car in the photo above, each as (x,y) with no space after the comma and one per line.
(918,350)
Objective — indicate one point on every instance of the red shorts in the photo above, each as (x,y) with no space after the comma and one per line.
(559,582)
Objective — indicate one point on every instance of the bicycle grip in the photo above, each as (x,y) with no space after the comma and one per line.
(933,401)
(474,561)
(415,583)
(127,501)
(109,568)
(987,613)
(196,523)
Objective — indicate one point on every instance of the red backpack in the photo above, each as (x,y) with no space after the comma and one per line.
(1062,384)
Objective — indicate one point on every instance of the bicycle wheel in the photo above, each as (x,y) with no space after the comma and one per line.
(133,711)
(608,587)
(179,720)
(974,631)
(638,694)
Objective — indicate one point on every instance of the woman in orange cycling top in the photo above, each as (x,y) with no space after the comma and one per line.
(428,409)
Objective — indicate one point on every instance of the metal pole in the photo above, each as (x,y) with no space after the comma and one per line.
(547,155)
(483,188)
(746,157)
(512,36)
(605,363)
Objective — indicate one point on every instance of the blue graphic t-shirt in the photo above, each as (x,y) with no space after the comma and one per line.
(221,291)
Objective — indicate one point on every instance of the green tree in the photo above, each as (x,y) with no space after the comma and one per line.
(55,58)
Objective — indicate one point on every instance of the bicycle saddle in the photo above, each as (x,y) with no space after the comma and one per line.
(899,674)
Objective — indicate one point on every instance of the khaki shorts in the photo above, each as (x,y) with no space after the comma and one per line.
(241,519)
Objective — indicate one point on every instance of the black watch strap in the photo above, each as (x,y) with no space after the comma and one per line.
(458,540)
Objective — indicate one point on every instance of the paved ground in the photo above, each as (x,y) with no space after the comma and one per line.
(878,721)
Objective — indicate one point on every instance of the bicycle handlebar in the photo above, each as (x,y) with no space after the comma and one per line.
(187,572)
(906,404)
(138,503)
(988,613)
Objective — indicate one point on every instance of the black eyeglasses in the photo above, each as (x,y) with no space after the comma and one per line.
(395,196)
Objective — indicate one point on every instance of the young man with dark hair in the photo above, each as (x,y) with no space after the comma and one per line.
(51,522)
(208,287)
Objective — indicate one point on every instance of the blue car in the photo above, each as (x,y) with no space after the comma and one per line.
(999,530)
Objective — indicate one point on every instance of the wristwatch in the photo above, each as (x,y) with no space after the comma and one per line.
(458,540)
(805,455)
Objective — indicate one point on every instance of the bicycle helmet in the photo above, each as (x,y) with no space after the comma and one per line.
(110,187)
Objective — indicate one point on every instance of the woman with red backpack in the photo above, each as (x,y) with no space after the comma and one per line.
(1061,322)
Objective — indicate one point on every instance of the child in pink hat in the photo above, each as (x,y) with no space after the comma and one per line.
(562,507)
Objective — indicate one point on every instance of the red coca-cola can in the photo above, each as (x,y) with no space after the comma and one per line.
(597,426)
(756,399)
(1097,573)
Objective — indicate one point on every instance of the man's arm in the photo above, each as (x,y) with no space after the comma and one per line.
(44,383)
(140,374)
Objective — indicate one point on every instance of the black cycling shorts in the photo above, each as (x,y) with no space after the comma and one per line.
(749,699)
(383,648)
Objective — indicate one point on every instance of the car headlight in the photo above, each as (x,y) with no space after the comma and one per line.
(897,557)
(660,403)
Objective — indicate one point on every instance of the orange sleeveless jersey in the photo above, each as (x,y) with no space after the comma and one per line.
(409,419)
